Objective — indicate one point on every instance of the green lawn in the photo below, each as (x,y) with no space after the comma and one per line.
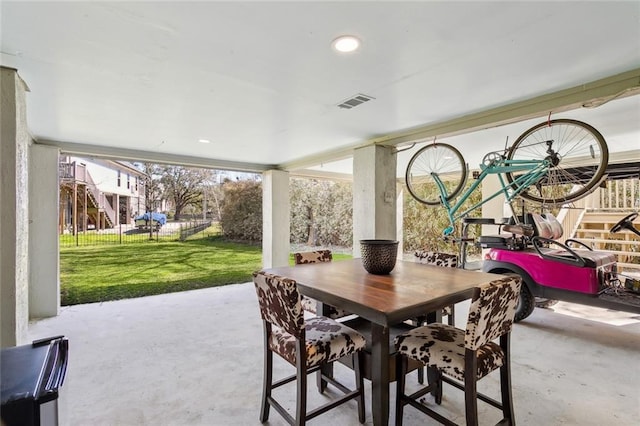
(110,272)
(100,273)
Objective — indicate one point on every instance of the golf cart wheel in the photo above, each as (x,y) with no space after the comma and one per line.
(541,302)
(526,304)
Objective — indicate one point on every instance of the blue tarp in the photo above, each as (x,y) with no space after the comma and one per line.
(161,218)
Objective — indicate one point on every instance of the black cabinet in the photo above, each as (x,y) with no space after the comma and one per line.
(30,378)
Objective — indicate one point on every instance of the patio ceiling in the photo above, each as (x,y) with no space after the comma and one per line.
(261,83)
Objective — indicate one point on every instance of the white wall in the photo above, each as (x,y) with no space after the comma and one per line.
(14,207)
(106,179)
(44,266)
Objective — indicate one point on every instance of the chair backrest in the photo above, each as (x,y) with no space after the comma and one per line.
(492,310)
(280,302)
(436,258)
(312,256)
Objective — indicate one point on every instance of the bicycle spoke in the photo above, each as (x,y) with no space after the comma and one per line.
(577,155)
(435,160)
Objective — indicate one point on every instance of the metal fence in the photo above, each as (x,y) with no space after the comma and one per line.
(125,234)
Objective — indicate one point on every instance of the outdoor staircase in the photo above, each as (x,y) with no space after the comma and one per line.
(104,209)
(594,230)
(94,209)
(590,219)
(98,207)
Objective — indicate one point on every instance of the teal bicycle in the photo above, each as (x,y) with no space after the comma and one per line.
(555,162)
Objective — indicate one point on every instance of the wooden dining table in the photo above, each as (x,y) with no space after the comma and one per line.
(409,291)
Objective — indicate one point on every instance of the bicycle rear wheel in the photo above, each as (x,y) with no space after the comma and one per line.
(435,159)
(578,155)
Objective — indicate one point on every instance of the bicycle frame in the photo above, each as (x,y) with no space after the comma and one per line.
(534,171)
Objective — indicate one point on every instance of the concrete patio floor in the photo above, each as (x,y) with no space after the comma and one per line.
(195,358)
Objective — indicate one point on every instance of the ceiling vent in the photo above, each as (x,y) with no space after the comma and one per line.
(354,101)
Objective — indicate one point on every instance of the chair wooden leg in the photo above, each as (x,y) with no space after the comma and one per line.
(301,397)
(321,383)
(505,382)
(266,384)
(438,384)
(422,320)
(434,379)
(326,370)
(505,393)
(401,371)
(471,391)
(357,366)
(471,403)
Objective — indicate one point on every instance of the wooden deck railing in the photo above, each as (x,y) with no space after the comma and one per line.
(619,195)
(591,218)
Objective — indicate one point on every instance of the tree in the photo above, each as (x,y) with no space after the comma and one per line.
(241,217)
(183,185)
(215,198)
(321,212)
(334,220)
(152,186)
(423,225)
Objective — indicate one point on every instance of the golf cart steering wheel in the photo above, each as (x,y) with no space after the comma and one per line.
(624,222)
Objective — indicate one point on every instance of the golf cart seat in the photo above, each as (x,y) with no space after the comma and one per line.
(545,226)
(548,230)
(510,237)
(511,234)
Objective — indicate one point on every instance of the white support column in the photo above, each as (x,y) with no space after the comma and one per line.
(374,194)
(400,218)
(44,251)
(14,219)
(493,208)
(275,218)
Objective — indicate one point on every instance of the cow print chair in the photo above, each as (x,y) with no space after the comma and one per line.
(462,357)
(309,304)
(439,259)
(306,344)
(436,258)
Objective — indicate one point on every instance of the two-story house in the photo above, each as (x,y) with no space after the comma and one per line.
(98,194)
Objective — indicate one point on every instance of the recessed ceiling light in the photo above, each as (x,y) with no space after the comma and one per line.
(204,141)
(346,43)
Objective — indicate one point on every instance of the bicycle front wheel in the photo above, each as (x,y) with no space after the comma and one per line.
(577,154)
(436,159)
